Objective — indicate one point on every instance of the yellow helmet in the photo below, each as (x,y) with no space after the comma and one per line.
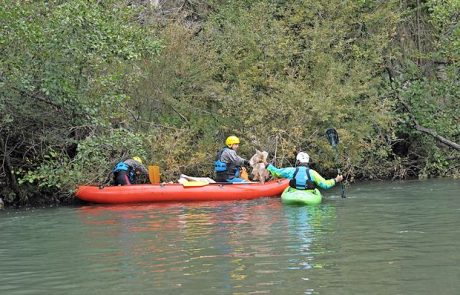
(136,158)
(231,140)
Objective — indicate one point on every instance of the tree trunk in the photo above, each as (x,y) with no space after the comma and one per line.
(11,180)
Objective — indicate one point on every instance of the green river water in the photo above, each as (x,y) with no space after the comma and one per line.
(385,238)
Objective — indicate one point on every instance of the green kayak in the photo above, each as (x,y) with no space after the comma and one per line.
(294,196)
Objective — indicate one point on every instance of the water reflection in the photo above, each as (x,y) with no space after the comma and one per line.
(386,238)
(234,245)
(309,226)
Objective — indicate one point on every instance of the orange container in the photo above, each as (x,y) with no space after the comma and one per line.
(154,174)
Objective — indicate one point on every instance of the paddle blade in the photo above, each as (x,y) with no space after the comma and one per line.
(332,136)
(195,183)
(154,174)
(342,191)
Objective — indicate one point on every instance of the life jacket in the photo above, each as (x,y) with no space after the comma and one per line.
(220,166)
(301,179)
(225,170)
(122,166)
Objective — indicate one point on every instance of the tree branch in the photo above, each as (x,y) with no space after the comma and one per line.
(438,137)
(428,131)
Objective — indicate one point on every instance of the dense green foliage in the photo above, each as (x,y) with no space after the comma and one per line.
(85,84)
(66,71)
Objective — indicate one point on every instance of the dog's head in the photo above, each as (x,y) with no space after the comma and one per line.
(259,157)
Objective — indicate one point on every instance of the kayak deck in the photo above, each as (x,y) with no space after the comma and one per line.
(294,196)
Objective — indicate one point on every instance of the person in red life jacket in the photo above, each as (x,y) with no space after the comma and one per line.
(302,177)
(227,165)
(125,173)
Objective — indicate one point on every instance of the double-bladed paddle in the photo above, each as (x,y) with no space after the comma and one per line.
(195,183)
(333,138)
(204,183)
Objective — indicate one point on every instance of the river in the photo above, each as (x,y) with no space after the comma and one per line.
(384,238)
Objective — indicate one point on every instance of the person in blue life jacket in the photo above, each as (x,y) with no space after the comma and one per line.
(227,165)
(125,173)
(302,177)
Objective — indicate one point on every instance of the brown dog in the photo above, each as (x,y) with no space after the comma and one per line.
(257,162)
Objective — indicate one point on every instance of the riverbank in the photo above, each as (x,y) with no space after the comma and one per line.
(87,84)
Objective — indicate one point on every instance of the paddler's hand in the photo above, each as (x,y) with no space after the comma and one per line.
(338,178)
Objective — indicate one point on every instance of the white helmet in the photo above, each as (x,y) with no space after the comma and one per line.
(303,157)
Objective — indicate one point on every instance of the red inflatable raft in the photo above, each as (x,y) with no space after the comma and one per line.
(178,192)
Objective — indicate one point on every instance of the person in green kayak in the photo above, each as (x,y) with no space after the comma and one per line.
(125,173)
(227,165)
(302,177)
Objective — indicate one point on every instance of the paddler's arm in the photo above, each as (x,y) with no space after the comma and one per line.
(232,157)
(144,170)
(323,183)
(138,167)
(281,172)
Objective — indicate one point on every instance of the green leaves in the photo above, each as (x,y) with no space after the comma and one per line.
(64,67)
(85,83)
